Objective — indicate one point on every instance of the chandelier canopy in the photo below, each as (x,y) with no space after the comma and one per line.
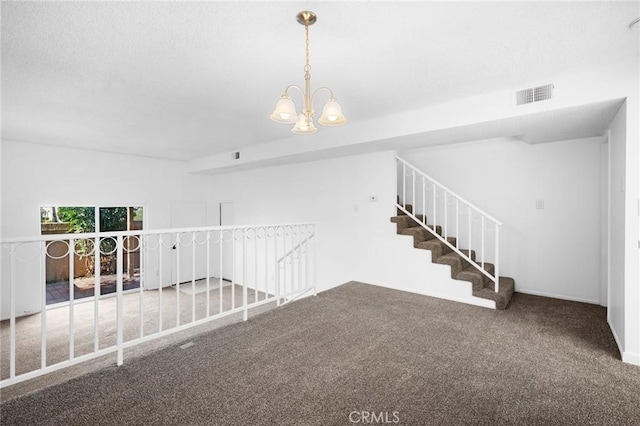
(285,110)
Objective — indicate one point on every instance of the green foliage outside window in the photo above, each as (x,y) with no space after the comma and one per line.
(81,219)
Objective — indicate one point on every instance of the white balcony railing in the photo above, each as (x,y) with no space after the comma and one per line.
(433,204)
(187,277)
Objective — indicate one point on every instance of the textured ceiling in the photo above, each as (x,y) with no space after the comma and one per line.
(183,80)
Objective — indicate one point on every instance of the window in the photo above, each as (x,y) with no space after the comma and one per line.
(82,219)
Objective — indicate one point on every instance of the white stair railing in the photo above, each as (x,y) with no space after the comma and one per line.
(187,277)
(458,218)
(294,268)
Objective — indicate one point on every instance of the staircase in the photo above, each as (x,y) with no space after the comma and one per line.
(445,249)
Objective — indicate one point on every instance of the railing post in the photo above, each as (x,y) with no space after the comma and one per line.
(245,311)
(299,262)
(193,276)
(469,221)
(404,186)
(294,250)
(266,263)
(457,224)
(434,207)
(285,276)
(43,305)
(120,319)
(160,280)
(306,262)
(497,260)
(446,218)
(72,324)
(233,268)
(177,246)
(424,196)
(97,266)
(482,240)
(141,278)
(12,313)
(315,262)
(413,185)
(276,273)
(255,265)
(208,303)
(220,279)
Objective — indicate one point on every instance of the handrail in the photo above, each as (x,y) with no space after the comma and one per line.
(297,247)
(87,235)
(416,173)
(465,201)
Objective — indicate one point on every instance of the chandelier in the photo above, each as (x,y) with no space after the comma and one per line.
(285,110)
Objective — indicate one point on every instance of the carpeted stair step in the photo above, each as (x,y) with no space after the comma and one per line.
(457,262)
(403,221)
(442,254)
(502,297)
(477,278)
(419,234)
(407,207)
(437,247)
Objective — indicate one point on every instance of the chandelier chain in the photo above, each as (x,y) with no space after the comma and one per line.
(307,65)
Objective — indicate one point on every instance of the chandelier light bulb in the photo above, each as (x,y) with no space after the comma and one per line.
(332,114)
(285,111)
(304,126)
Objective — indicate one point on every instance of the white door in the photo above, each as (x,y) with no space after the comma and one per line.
(188,215)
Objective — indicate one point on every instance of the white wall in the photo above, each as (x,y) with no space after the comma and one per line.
(604,221)
(631,351)
(333,193)
(35,175)
(616,312)
(355,237)
(624,310)
(554,251)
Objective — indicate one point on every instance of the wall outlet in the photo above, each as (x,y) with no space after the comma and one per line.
(540,204)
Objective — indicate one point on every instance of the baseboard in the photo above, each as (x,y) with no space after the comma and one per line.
(627,357)
(631,358)
(615,337)
(471,300)
(558,296)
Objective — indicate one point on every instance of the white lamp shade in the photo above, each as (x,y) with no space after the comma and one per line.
(332,114)
(285,111)
(302,127)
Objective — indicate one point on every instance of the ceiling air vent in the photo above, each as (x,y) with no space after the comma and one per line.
(534,94)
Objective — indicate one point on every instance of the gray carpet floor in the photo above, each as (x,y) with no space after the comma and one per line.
(359,348)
